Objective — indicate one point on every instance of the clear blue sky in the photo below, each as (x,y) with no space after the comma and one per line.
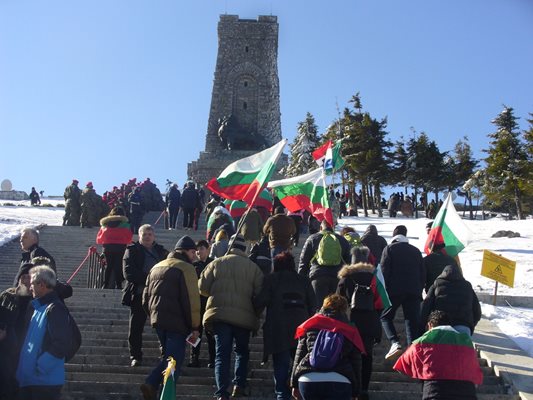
(110,90)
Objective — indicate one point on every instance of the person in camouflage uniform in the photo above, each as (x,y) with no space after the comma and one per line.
(92,207)
(72,204)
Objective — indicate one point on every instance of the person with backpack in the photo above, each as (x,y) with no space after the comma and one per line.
(327,364)
(289,300)
(358,286)
(323,255)
(41,368)
(405,276)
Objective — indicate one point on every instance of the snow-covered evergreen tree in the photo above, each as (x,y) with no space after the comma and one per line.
(305,142)
(506,163)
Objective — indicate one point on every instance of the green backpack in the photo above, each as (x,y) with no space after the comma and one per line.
(329,250)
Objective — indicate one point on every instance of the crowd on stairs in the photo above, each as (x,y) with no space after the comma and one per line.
(322,314)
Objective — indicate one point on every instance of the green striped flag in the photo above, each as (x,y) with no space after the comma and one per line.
(448,228)
(307,192)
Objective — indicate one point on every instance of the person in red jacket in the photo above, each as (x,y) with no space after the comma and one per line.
(114,234)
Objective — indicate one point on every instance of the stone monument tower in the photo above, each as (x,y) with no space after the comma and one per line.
(245,113)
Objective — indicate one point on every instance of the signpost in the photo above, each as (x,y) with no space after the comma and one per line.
(499,269)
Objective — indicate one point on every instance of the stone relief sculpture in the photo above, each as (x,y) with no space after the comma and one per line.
(233,137)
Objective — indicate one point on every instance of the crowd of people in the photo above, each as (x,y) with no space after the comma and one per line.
(322,314)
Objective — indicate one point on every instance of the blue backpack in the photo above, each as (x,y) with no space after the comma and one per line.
(327,350)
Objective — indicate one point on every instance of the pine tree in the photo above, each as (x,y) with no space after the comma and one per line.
(507,169)
(464,168)
(305,142)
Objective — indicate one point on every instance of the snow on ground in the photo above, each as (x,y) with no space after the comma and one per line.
(14,218)
(517,323)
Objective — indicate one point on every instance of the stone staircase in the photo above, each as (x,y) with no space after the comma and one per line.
(101,368)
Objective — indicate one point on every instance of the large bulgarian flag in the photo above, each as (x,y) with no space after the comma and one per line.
(307,192)
(169,383)
(236,207)
(441,353)
(245,178)
(448,228)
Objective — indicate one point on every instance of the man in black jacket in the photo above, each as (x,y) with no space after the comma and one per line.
(323,277)
(29,242)
(405,276)
(189,200)
(139,259)
(452,294)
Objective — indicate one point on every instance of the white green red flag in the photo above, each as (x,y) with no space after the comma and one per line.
(441,353)
(264,199)
(245,178)
(236,207)
(308,192)
(382,301)
(169,383)
(448,228)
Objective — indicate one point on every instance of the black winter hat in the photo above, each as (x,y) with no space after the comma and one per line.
(400,230)
(185,243)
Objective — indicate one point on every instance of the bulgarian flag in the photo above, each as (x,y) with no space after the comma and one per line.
(383,301)
(307,192)
(245,178)
(448,228)
(236,207)
(264,199)
(169,384)
(441,353)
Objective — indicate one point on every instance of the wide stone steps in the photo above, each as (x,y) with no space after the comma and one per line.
(101,368)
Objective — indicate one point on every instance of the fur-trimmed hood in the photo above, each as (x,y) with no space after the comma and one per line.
(113,218)
(353,268)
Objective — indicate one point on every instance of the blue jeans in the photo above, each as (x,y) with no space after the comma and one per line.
(173,345)
(325,390)
(224,335)
(411,313)
(282,363)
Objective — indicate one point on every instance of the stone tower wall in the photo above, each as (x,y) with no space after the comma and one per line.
(246,82)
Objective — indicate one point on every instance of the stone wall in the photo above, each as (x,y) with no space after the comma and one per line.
(246,85)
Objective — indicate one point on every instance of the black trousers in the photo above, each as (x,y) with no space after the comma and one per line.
(173,216)
(137,321)
(40,392)
(113,271)
(188,217)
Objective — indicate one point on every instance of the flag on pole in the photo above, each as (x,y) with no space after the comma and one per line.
(169,383)
(329,156)
(236,207)
(307,192)
(448,228)
(245,178)
(319,154)
(264,199)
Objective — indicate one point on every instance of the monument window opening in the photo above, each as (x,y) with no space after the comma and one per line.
(246,49)
(245,83)
(244,105)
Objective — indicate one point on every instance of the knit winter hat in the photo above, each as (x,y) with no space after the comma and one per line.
(400,230)
(239,242)
(89,185)
(185,243)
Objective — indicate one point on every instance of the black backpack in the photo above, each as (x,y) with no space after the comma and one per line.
(75,336)
(362,298)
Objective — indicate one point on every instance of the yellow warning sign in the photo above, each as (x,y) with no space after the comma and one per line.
(498,268)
